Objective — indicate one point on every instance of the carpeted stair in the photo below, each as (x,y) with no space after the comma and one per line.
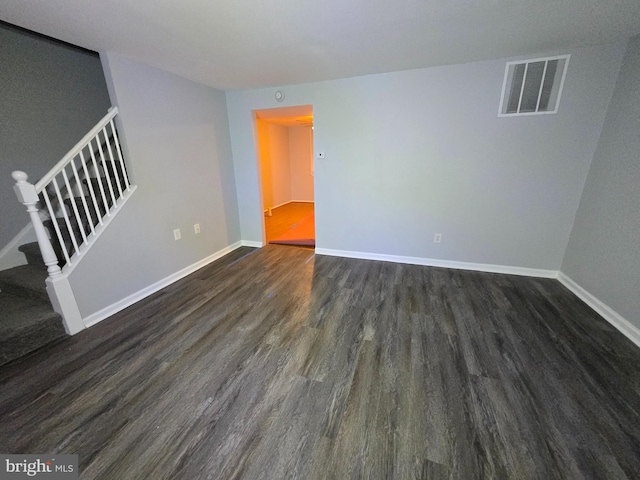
(27,320)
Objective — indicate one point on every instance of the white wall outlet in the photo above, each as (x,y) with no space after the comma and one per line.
(437,238)
(176,234)
(320,155)
(196,228)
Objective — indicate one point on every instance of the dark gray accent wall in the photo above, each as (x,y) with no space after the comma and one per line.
(51,94)
(603,255)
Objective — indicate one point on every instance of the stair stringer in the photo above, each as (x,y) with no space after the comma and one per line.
(76,258)
(59,287)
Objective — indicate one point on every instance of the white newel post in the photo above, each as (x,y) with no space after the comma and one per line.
(58,286)
(28,196)
(63,302)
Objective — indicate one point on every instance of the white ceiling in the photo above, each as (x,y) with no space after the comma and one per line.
(237,44)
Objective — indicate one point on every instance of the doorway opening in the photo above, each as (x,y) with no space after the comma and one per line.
(285,160)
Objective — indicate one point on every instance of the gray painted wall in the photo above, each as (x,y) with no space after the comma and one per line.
(603,255)
(274,164)
(178,149)
(51,94)
(412,153)
(301,159)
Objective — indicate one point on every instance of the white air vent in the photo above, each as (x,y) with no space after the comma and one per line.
(533,87)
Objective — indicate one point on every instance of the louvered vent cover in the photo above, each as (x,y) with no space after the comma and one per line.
(533,87)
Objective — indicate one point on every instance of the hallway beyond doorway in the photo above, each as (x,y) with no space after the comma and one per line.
(285,217)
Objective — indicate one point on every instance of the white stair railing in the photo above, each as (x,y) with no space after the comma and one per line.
(81,194)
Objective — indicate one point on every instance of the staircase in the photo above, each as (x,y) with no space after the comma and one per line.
(79,197)
(28,320)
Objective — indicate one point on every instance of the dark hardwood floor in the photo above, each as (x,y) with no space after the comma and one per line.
(278,364)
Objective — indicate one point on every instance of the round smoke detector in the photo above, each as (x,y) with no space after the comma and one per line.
(279,95)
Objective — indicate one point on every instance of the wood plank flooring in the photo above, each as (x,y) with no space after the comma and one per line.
(284,217)
(279,364)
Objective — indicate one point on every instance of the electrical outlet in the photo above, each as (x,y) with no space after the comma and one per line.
(176,234)
(196,228)
(437,238)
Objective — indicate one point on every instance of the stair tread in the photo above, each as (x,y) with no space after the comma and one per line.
(89,201)
(34,255)
(30,248)
(26,324)
(21,313)
(73,220)
(64,230)
(103,180)
(94,213)
(25,280)
(102,177)
(62,221)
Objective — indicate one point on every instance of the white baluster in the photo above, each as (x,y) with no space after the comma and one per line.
(28,196)
(105,169)
(65,216)
(114,166)
(83,200)
(124,170)
(56,227)
(90,187)
(74,206)
(96,172)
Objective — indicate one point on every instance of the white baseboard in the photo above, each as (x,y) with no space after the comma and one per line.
(433,262)
(609,314)
(280,205)
(114,308)
(251,243)
(288,202)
